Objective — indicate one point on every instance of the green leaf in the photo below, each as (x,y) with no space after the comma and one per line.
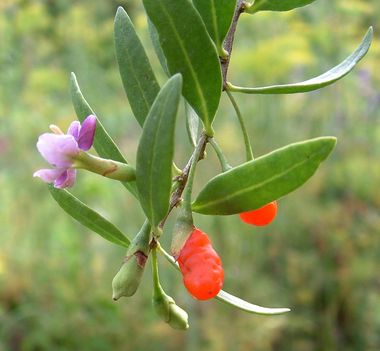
(232,300)
(276,5)
(193,124)
(157,46)
(217,16)
(136,73)
(88,217)
(103,143)
(319,82)
(265,179)
(247,306)
(190,51)
(155,152)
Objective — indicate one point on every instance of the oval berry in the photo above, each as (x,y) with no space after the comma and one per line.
(201,266)
(262,216)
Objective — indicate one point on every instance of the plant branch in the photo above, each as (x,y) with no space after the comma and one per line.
(182,179)
(203,140)
(228,42)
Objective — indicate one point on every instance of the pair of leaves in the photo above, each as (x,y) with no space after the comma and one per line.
(188,50)
(155,152)
(276,5)
(103,143)
(315,83)
(265,179)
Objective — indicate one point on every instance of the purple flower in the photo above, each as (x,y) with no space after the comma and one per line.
(60,150)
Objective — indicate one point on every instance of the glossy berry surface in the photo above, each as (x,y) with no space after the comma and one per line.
(262,216)
(201,266)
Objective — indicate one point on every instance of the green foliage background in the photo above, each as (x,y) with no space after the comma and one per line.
(321,255)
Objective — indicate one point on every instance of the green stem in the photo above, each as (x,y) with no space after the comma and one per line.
(156,279)
(168,257)
(248,147)
(222,159)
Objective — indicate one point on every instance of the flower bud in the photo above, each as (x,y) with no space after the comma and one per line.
(127,280)
(169,312)
(178,318)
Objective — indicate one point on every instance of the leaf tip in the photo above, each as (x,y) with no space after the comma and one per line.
(329,143)
(73,80)
(369,35)
(177,78)
(331,140)
(120,11)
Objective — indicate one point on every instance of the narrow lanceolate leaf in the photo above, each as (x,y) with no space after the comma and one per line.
(103,143)
(217,16)
(136,73)
(276,5)
(155,152)
(232,300)
(88,217)
(157,46)
(319,82)
(193,124)
(247,306)
(190,51)
(265,179)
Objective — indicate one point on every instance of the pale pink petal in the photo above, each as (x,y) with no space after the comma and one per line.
(87,132)
(58,150)
(67,179)
(74,129)
(49,175)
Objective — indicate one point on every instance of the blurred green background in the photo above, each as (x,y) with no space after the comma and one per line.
(321,255)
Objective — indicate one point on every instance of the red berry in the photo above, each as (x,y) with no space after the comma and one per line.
(262,216)
(201,266)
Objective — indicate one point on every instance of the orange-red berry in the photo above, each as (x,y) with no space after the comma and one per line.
(201,266)
(262,216)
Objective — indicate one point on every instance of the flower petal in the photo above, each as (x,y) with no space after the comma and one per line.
(58,150)
(67,179)
(49,175)
(87,132)
(74,129)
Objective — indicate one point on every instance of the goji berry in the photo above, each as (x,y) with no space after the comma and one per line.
(201,266)
(262,216)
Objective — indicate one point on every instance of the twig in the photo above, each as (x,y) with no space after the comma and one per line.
(177,195)
(228,42)
(182,179)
